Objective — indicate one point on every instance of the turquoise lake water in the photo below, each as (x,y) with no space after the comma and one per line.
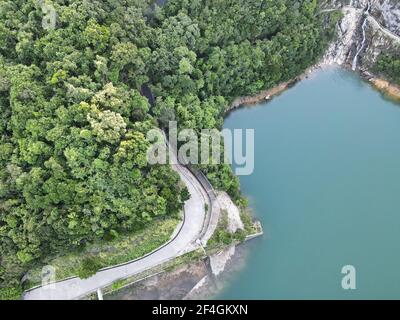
(326,187)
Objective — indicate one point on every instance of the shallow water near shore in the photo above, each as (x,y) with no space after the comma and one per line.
(326,188)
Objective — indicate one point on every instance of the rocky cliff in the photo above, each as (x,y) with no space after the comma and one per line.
(387,14)
(368,28)
(383,31)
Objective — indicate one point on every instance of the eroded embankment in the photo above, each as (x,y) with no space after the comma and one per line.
(388,89)
(192,280)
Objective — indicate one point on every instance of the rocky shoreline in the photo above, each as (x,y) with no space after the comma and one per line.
(262,96)
(267,95)
(192,281)
(388,89)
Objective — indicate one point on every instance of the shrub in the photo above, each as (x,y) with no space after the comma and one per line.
(88,268)
(10,293)
(117,285)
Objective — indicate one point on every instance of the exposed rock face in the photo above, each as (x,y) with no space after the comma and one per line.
(218,261)
(383,31)
(368,28)
(340,52)
(378,42)
(226,204)
(387,14)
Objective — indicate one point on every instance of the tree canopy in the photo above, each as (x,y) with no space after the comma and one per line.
(73,122)
(388,65)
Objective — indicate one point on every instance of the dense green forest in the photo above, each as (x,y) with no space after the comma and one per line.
(73,122)
(388,65)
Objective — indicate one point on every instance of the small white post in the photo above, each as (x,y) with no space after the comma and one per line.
(200,244)
(99,294)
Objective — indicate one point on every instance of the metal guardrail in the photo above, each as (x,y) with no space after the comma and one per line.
(212,196)
(208,188)
(204,181)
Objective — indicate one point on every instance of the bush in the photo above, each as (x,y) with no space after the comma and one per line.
(10,293)
(88,268)
(117,285)
(389,66)
(240,235)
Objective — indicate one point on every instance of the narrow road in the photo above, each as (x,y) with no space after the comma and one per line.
(184,241)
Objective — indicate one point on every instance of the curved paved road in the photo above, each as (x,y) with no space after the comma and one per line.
(183,242)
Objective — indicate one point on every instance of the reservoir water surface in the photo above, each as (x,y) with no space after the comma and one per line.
(326,187)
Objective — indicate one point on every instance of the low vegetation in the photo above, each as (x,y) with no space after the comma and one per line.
(13,293)
(88,267)
(222,236)
(388,65)
(86,262)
